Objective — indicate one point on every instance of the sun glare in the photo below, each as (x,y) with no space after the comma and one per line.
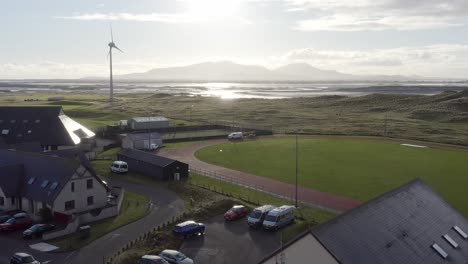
(212,8)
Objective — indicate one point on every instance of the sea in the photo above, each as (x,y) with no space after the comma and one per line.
(235,90)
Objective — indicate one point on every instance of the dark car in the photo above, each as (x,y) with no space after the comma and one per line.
(4,216)
(189,228)
(236,212)
(23,258)
(17,222)
(37,230)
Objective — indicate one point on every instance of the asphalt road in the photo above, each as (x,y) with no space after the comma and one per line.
(166,204)
(230,243)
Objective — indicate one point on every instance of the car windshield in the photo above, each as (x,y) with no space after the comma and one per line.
(35,227)
(180,256)
(123,166)
(271,218)
(27,259)
(10,221)
(256,214)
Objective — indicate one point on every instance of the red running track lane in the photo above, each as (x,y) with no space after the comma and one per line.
(313,197)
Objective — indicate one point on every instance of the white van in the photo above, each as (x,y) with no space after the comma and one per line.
(119,167)
(279,217)
(236,135)
(257,216)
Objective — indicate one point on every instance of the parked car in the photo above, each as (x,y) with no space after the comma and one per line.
(175,257)
(257,216)
(17,222)
(151,259)
(119,166)
(189,228)
(236,212)
(279,217)
(37,230)
(4,216)
(236,135)
(23,258)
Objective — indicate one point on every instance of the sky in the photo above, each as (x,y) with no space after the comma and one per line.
(68,39)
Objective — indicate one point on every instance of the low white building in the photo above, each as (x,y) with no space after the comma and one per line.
(141,140)
(150,122)
(67,186)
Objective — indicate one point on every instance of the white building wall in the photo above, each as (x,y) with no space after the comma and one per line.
(304,250)
(7,205)
(80,195)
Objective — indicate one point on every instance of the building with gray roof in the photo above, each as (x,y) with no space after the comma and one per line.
(150,122)
(31,181)
(48,126)
(408,225)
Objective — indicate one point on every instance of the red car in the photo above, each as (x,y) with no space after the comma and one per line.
(236,212)
(19,221)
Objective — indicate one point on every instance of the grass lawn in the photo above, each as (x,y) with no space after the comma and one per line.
(109,153)
(134,207)
(358,169)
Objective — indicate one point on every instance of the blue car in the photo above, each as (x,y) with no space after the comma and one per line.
(189,228)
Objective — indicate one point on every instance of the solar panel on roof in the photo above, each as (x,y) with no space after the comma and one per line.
(5,131)
(460,232)
(37,121)
(31,180)
(439,250)
(450,241)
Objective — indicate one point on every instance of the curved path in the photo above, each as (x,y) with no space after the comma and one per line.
(321,200)
(165,205)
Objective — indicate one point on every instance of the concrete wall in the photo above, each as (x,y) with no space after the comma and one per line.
(69,229)
(81,194)
(304,250)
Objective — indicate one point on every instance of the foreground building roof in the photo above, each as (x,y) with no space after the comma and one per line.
(409,225)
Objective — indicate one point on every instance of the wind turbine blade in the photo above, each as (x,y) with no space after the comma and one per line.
(112,35)
(118,49)
(108,54)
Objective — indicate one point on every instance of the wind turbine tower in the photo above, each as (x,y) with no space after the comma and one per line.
(112,46)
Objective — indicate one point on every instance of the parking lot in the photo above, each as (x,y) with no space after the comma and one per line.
(12,242)
(230,243)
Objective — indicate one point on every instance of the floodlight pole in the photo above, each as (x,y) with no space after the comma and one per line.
(297,154)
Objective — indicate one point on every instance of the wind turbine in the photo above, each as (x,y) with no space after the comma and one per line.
(112,46)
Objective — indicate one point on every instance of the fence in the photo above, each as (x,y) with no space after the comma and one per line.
(258,188)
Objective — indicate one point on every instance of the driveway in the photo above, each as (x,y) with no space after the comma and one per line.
(166,204)
(230,243)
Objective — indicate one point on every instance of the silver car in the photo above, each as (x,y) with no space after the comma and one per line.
(175,257)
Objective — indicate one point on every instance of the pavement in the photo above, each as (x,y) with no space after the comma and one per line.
(166,204)
(230,243)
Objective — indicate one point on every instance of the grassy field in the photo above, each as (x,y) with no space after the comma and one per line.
(355,168)
(439,118)
(134,207)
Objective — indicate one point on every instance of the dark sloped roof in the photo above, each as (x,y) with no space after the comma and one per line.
(10,179)
(146,157)
(39,124)
(41,168)
(397,227)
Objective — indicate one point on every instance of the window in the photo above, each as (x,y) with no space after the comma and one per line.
(89,184)
(72,187)
(31,180)
(2,201)
(44,183)
(90,200)
(70,205)
(37,121)
(439,250)
(5,131)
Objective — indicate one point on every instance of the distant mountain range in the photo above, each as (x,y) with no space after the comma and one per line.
(229,71)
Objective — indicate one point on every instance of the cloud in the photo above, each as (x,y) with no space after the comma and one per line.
(447,60)
(360,15)
(150,17)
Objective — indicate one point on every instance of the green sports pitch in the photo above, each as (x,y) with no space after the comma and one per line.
(361,169)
